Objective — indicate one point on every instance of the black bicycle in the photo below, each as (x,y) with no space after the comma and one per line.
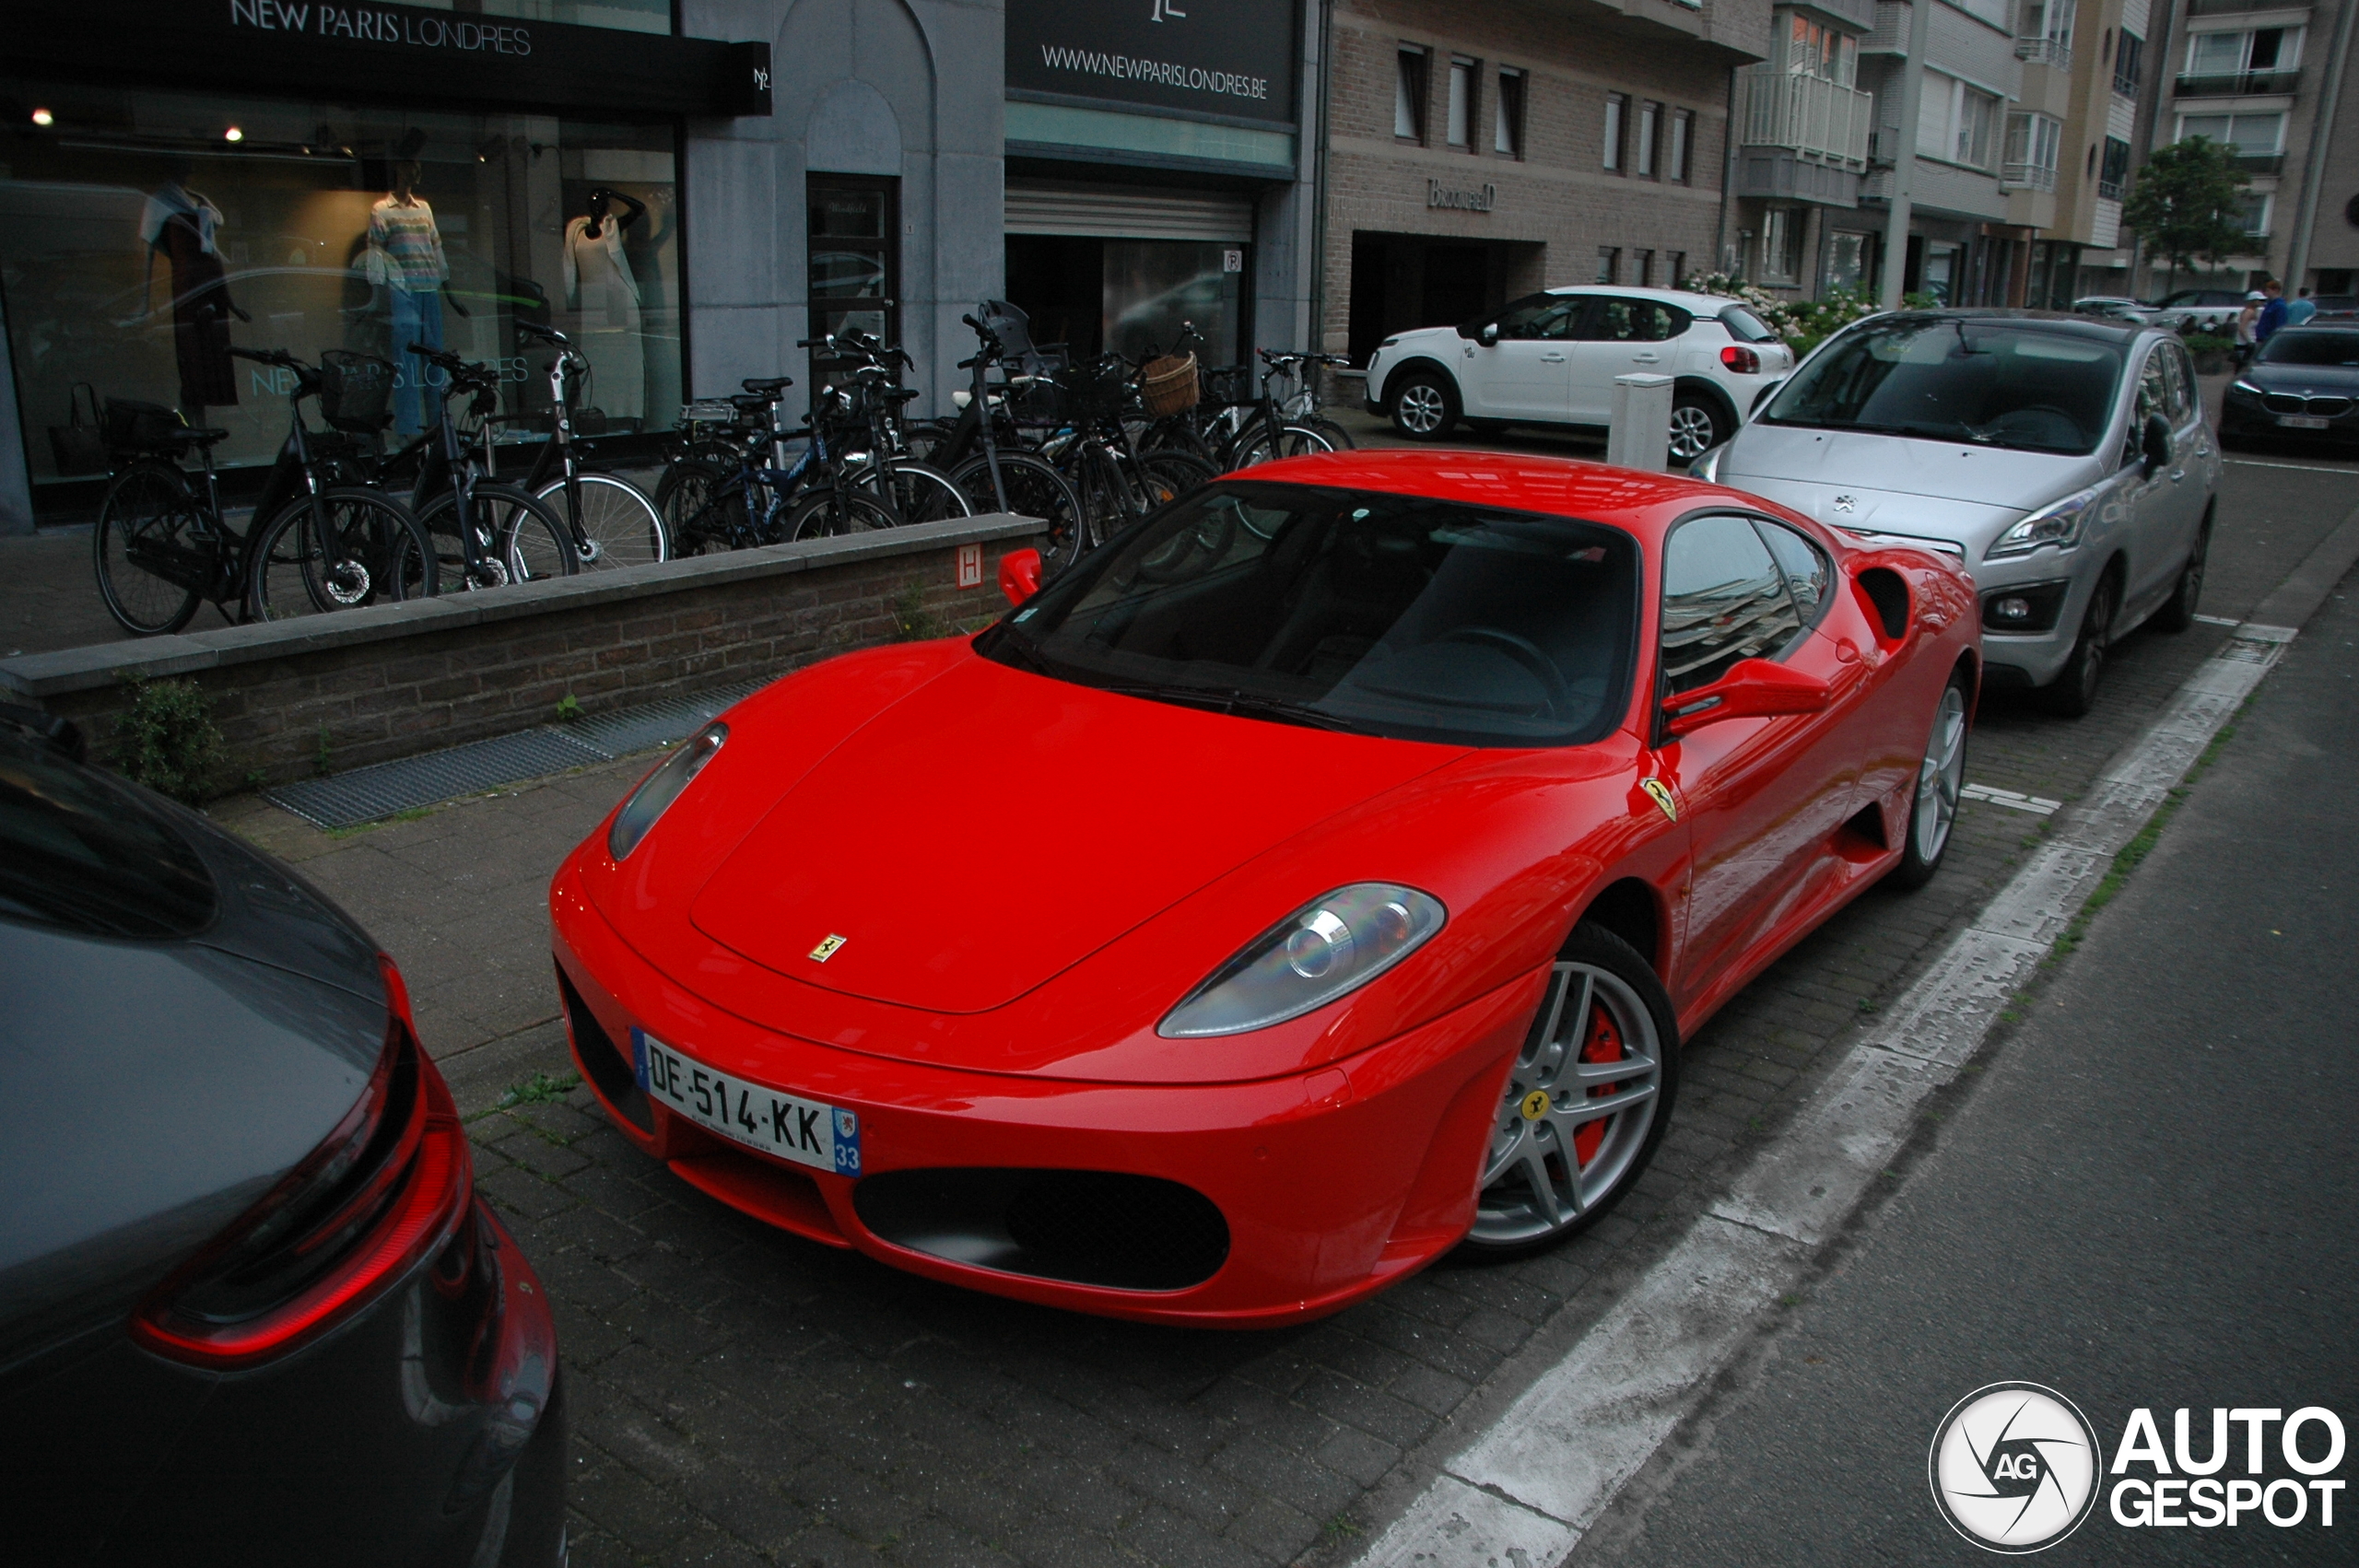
(315,543)
(614,522)
(986,458)
(485,534)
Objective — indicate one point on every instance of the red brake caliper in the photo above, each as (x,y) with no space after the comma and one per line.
(1601,1043)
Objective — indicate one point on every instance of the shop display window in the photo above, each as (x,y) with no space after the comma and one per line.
(1153,286)
(143,232)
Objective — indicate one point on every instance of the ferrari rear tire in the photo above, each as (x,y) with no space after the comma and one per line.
(1585,1103)
(1932,811)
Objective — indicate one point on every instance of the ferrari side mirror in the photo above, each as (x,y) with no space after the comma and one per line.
(1019,575)
(1754,688)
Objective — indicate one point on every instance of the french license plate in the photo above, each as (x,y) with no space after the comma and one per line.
(785,1126)
(2301,421)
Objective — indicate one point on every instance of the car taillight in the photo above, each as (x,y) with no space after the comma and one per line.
(1740,359)
(384,1190)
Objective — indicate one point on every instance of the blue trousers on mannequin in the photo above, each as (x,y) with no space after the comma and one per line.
(417,318)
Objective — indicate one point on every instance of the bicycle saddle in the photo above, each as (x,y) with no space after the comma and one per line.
(750,402)
(896,395)
(766,383)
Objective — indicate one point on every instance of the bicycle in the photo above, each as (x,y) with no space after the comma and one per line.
(879,467)
(762,497)
(1116,483)
(1012,480)
(613,521)
(499,534)
(1263,431)
(313,545)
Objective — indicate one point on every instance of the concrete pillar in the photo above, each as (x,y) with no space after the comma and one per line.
(1641,435)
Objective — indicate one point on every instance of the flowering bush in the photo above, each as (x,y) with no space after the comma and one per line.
(1802,324)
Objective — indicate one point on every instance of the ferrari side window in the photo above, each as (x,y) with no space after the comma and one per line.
(1806,569)
(1724,599)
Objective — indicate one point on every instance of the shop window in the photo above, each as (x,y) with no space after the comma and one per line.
(1462,102)
(1507,130)
(1683,138)
(1617,110)
(1609,264)
(1650,124)
(139,243)
(855,258)
(1409,95)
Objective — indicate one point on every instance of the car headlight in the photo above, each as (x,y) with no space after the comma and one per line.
(2247,388)
(1707,467)
(655,797)
(1319,952)
(2057,523)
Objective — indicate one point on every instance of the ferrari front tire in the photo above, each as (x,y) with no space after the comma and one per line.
(1932,812)
(1586,1102)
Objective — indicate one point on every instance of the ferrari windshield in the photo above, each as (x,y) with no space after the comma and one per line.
(1999,383)
(1385,614)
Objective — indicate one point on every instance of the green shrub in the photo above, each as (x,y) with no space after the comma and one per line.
(165,738)
(913,622)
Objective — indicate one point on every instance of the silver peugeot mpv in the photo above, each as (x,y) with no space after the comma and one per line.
(2066,458)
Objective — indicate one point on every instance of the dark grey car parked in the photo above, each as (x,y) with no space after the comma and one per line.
(2303,385)
(250,1308)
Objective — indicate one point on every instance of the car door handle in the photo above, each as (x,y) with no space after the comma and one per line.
(1551,358)
(2177,474)
(1645,359)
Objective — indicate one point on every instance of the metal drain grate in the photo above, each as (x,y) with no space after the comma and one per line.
(369,795)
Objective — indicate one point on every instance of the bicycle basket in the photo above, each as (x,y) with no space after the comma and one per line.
(1169,385)
(356,392)
(1097,391)
(1226,386)
(709,411)
(133,426)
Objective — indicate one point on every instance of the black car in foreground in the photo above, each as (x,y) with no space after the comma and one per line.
(252,1310)
(2304,383)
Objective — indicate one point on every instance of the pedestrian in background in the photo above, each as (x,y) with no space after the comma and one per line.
(2272,314)
(2247,319)
(2301,309)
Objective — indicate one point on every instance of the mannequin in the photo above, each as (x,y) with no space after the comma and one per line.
(405,257)
(599,286)
(185,226)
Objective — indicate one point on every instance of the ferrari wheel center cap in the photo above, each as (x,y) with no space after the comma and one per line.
(1535,1104)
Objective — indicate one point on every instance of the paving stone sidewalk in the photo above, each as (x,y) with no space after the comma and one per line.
(741,1396)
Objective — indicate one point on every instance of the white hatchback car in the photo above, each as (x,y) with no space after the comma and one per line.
(1551,358)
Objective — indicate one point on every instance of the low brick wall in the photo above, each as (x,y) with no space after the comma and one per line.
(365,685)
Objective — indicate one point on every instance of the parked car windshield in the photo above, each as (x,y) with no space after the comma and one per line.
(81,852)
(1999,384)
(2338,349)
(1384,614)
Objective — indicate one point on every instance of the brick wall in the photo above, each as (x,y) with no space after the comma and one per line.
(393,680)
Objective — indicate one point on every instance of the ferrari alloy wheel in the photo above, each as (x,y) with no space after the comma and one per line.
(1585,1103)
(1940,778)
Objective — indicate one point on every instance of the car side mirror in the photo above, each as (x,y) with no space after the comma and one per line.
(2156,443)
(1019,575)
(1488,334)
(1754,688)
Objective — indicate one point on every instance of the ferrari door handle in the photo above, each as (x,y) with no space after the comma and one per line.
(1552,359)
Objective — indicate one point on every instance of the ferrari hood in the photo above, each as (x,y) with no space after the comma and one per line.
(995,827)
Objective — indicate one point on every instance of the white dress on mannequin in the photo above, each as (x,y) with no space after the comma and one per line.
(605,300)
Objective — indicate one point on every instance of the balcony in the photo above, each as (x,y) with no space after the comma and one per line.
(1812,117)
(2236,84)
(2027,177)
(2053,52)
(2230,8)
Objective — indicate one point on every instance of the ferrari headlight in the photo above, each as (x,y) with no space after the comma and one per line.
(2057,523)
(1319,952)
(662,787)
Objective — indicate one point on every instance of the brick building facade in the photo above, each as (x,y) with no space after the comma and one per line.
(1479,153)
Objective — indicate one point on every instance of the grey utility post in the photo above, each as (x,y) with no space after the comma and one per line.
(1903,158)
(1641,435)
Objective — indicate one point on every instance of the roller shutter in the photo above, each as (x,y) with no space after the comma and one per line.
(1105,212)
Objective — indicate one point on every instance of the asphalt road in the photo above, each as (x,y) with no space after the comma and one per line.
(2144,1200)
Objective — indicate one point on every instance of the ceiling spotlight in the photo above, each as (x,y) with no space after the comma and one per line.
(233,135)
(43,117)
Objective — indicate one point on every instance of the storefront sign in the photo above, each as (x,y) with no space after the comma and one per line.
(406,53)
(1481,200)
(1233,58)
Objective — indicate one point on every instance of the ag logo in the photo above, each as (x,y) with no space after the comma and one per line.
(2015,1468)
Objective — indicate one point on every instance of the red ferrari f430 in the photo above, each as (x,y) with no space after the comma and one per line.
(1321,875)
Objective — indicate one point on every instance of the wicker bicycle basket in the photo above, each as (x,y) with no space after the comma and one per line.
(1169,385)
(356,392)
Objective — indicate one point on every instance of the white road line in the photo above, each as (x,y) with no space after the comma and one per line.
(2219,620)
(2038,805)
(2289,467)
(1522,1494)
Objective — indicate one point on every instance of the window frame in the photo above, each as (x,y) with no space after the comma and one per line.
(1412,65)
(1649,130)
(1609,266)
(1617,132)
(1461,105)
(1777,653)
(1678,165)
(2129,62)
(1508,114)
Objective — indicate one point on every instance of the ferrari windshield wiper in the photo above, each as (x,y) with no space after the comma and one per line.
(1244,704)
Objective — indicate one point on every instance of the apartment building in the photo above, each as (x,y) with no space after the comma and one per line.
(1804,127)
(1477,153)
(2265,79)
(2086,66)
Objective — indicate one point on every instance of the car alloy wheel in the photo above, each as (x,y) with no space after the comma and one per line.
(1694,432)
(1422,408)
(2075,691)
(2177,613)
(1940,778)
(1573,1126)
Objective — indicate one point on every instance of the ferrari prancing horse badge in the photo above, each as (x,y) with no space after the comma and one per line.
(826,948)
(1662,795)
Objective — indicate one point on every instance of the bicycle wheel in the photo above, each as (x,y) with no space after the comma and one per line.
(1034,490)
(828,513)
(152,562)
(1337,438)
(338,550)
(699,514)
(516,540)
(1292,441)
(922,493)
(618,519)
(1165,477)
